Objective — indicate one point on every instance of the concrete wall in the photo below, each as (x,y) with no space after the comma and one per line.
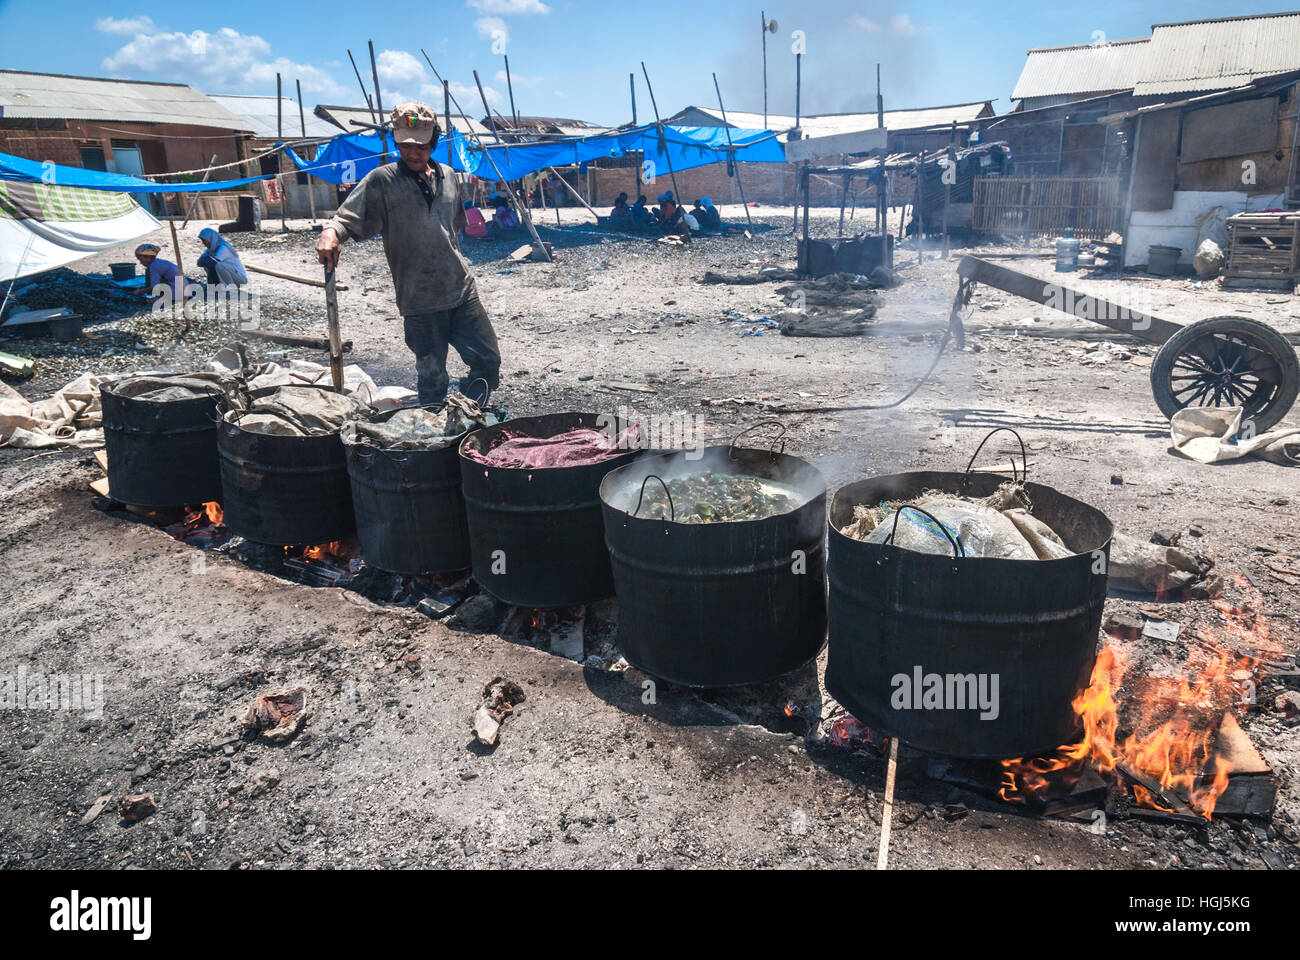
(1178,226)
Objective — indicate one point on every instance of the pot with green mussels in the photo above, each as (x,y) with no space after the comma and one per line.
(719,563)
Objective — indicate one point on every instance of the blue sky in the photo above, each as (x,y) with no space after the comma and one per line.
(572,57)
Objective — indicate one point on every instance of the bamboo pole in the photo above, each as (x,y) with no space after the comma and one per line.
(193,203)
(365,94)
(677,196)
(575,194)
(539,248)
(279,135)
(302,121)
(732,152)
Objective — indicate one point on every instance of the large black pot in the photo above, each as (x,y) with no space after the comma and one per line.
(292,491)
(1029,625)
(718,604)
(409,510)
(161,453)
(536,538)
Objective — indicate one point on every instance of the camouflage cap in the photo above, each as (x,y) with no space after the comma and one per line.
(414,122)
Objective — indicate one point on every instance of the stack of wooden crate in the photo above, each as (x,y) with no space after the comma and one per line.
(1263,250)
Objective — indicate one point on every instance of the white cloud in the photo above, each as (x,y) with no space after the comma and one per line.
(399,67)
(509,7)
(864,23)
(224,61)
(901,25)
(519,80)
(490,28)
(124,25)
(560,93)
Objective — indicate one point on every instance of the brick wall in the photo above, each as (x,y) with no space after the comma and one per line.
(163,147)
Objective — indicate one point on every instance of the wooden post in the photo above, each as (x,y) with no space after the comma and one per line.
(302,121)
(844,194)
(539,248)
(180,269)
(882,188)
(193,203)
(636,171)
(918,208)
(379,100)
(732,152)
(677,196)
(279,135)
(446,109)
(763,15)
(511,90)
(798,86)
(947,185)
(365,95)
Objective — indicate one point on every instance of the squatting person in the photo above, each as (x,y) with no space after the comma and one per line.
(415,205)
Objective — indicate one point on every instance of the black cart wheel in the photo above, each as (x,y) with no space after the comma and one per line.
(1227,362)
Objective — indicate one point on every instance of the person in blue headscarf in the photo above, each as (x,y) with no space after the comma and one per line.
(710,219)
(220,260)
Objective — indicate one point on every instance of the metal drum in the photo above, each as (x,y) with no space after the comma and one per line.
(161,453)
(290,491)
(409,510)
(536,536)
(1026,630)
(718,604)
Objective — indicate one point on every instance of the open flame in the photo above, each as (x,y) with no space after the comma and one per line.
(1173,724)
(204,522)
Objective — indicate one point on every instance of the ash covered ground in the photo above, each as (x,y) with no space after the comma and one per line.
(385,772)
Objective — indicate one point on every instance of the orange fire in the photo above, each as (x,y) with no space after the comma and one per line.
(336,551)
(209,514)
(212,510)
(1174,723)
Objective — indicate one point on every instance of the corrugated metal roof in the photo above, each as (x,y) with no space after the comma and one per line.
(53,96)
(829,124)
(339,117)
(1082,68)
(259,114)
(1219,54)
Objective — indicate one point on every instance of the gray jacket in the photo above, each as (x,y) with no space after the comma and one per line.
(421,238)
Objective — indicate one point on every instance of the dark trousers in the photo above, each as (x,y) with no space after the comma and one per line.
(468,329)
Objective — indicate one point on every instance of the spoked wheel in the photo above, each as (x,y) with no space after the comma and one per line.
(1227,362)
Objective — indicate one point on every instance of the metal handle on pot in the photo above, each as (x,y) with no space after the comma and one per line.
(731,448)
(487,391)
(1024,457)
(957,549)
(671,507)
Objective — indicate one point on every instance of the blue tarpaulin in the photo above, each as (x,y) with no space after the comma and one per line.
(36,171)
(349,158)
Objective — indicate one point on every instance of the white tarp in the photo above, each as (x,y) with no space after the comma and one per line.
(43,226)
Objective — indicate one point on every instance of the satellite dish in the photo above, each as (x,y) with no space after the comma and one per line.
(771,26)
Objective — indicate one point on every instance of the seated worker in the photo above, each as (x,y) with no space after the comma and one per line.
(220,260)
(710,219)
(475,225)
(640,215)
(621,210)
(666,212)
(505,218)
(692,224)
(159,272)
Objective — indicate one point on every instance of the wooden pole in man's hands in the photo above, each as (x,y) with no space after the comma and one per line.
(335,338)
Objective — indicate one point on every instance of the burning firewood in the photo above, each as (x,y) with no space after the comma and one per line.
(278,716)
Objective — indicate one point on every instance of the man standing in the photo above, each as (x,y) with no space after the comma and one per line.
(415,206)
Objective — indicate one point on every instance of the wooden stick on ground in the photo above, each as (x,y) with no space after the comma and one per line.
(288,276)
(886,817)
